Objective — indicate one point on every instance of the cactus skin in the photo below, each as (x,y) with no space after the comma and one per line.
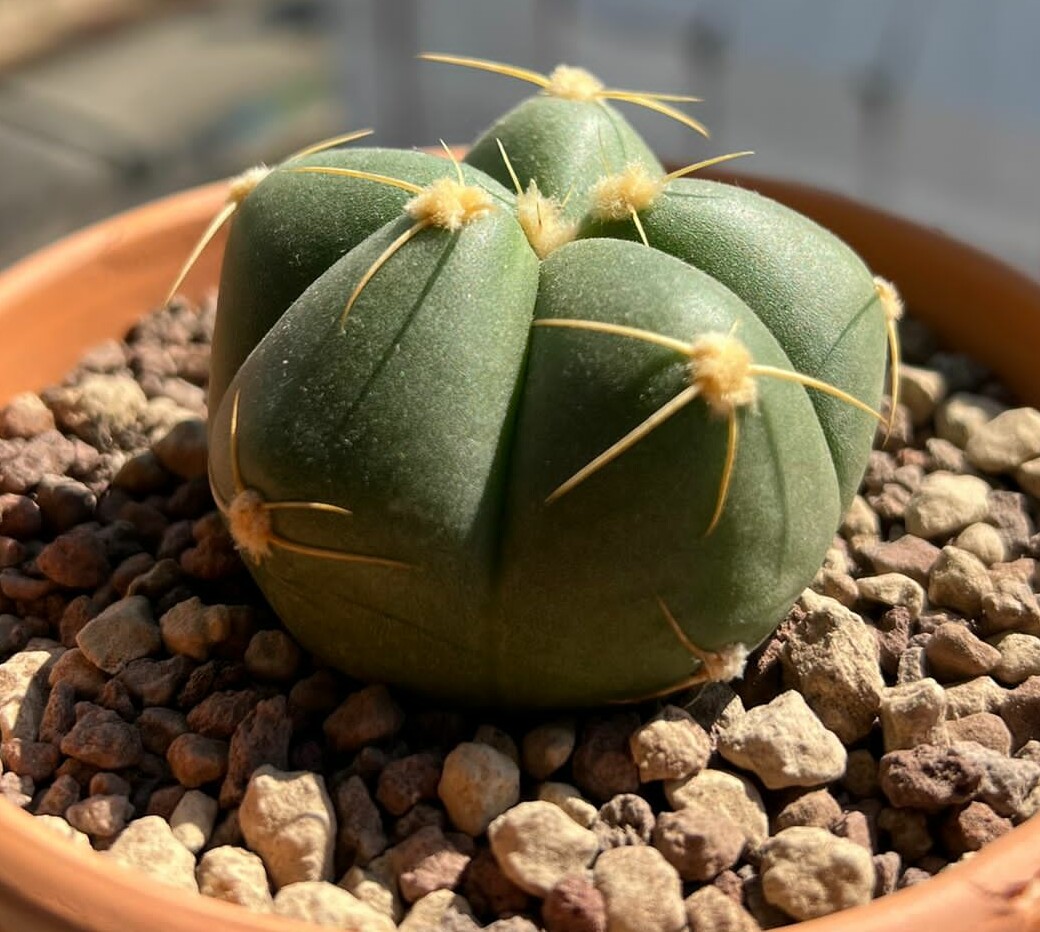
(810,289)
(451,407)
(562,145)
(291,228)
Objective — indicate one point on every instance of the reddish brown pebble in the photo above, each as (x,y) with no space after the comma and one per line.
(196,760)
(76,560)
(626,819)
(361,837)
(602,763)
(426,861)
(272,655)
(61,794)
(972,827)
(817,808)
(101,738)
(574,905)
(159,727)
(35,759)
(407,781)
(59,715)
(163,801)
(928,777)
(908,832)
(20,516)
(219,714)
(262,737)
(984,728)
(364,717)
(697,842)
(488,890)
(954,653)
(1021,712)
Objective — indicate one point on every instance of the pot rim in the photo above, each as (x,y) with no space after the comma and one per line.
(999,888)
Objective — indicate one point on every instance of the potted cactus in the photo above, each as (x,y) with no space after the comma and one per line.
(547,427)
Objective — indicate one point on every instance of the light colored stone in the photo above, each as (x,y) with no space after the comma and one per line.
(728,794)
(478,783)
(570,800)
(893,589)
(435,911)
(123,632)
(963,412)
(325,904)
(808,872)
(641,890)
(1009,784)
(1019,657)
(985,541)
(72,835)
(981,694)
(546,748)
(1006,442)
(23,693)
(1011,606)
(784,744)
(376,886)
(921,390)
(536,845)
(100,816)
(831,657)
(103,410)
(672,746)
(1028,477)
(860,520)
(236,876)
(959,580)
(913,713)
(193,819)
(148,845)
(954,653)
(287,818)
(711,910)
(946,503)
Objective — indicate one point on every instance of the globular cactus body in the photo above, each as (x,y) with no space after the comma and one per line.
(485,459)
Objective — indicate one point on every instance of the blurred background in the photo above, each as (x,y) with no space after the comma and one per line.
(930,108)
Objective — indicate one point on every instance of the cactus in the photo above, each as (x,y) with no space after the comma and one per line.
(501,449)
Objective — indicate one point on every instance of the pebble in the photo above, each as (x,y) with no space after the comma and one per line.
(893,589)
(477,784)
(193,820)
(57,824)
(426,861)
(1011,606)
(440,910)
(489,891)
(860,520)
(981,694)
(235,876)
(728,794)
(103,410)
(913,713)
(100,816)
(642,892)
(20,516)
(985,541)
(365,717)
(808,873)
(25,416)
(376,886)
(272,655)
(908,831)
(149,845)
(123,632)
(961,413)
(22,694)
(817,808)
(711,910)
(1021,711)
(784,744)
(1006,442)
(76,560)
(262,737)
(627,819)
(959,580)
(36,759)
(101,738)
(575,905)
(922,391)
(944,504)
(361,836)
(832,658)
(569,799)
(183,450)
(954,653)
(193,629)
(546,748)
(1028,476)
(929,778)
(1019,657)
(909,555)
(698,842)
(671,746)
(1008,784)
(972,827)
(983,728)
(602,764)
(221,712)
(407,781)
(325,904)
(196,760)
(536,845)
(287,818)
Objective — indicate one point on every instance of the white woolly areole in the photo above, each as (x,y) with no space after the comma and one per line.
(542,221)
(243,185)
(615,197)
(572,83)
(891,303)
(720,366)
(449,205)
(250,524)
(727,663)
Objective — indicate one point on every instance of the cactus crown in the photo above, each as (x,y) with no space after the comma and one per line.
(512,410)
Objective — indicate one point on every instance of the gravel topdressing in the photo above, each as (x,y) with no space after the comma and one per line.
(152,708)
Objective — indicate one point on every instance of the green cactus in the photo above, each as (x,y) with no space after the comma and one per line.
(500,453)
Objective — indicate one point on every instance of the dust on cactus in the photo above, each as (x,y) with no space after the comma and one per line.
(579,442)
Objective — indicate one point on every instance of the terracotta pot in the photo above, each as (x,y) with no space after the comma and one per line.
(92,285)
